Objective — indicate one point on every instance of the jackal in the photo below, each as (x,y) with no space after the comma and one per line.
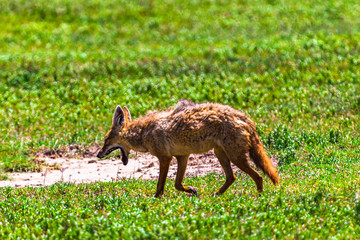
(191,128)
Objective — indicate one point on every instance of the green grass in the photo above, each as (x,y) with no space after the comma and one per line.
(292,66)
(310,205)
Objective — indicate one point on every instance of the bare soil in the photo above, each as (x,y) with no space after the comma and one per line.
(79,165)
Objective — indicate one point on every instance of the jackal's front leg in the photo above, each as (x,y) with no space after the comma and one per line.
(182,163)
(164,168)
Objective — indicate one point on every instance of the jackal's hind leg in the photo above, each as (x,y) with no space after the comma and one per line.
(241,161)
(182,163)
(164,169)
(225,164)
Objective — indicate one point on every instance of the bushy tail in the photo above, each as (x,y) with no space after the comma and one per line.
(261,160)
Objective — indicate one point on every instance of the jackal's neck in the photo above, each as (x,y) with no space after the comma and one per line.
(134,136)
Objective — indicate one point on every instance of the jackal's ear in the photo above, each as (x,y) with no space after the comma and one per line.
(127,114)
(119,117)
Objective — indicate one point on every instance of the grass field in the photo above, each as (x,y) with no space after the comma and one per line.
(292,66)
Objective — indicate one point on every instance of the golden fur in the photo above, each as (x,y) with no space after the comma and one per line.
(192,128)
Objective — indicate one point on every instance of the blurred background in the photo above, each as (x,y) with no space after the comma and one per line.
(292,66)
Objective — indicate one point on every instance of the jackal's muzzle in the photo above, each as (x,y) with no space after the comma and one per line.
(103,153)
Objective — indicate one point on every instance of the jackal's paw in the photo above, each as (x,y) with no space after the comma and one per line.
(193,190)
(216,194)
(158,194)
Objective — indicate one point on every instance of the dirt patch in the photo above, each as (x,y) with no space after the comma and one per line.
(79,165)
(71,151)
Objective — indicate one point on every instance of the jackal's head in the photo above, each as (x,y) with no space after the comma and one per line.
(114,139)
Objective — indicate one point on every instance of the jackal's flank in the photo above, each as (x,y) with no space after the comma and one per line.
(191,128)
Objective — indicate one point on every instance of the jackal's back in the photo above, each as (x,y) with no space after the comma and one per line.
(195,128)
(206,118)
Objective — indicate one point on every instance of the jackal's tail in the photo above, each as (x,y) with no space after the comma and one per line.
(261,159)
